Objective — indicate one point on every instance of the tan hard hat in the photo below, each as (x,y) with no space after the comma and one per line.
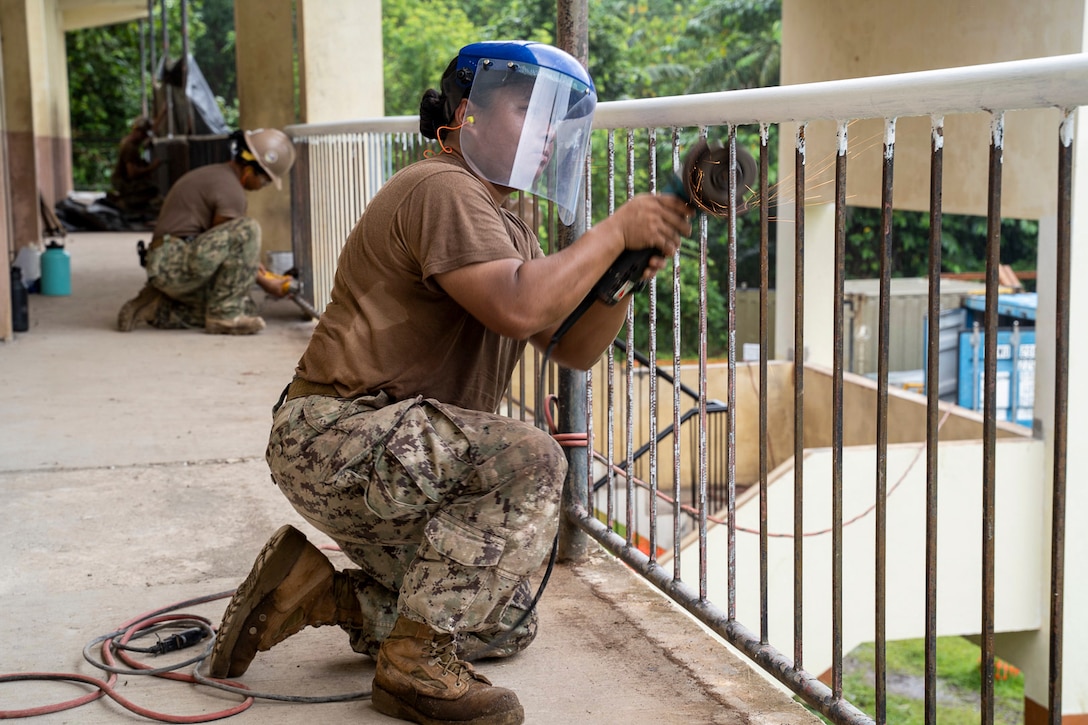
(273,151)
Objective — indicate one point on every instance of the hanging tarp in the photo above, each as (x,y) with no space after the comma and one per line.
(196,112)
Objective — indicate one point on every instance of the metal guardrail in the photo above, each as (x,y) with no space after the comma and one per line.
(341,165)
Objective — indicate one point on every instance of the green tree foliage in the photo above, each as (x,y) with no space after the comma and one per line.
(716,304)
(105,97)
(419,38)
(738,42)
(213,50)
(963,243)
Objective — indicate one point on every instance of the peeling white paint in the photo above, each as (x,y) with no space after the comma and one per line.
(889,138)
(1065,131)
(997,134)
(801,141)
(938,132)
(842,138)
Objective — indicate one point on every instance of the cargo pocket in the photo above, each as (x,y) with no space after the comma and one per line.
(465,544)
(391,492)
(414,466)
(457,579)
(321,412)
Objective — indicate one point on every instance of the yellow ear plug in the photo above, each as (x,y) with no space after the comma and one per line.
(470,119)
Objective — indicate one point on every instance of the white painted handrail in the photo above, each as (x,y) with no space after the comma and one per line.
(1057,81)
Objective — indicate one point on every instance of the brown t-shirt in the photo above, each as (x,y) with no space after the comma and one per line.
(389,326)
(197,198)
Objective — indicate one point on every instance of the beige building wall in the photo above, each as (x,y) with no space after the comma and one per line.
(837,39)
(38,129)
(340,45)
(35,115)
(336,42)
(52,121)
(16,19)
(6,331)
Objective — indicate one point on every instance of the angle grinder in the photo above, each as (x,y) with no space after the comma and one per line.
(704,184)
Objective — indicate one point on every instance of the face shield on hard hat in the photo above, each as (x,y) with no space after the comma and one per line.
(529,117)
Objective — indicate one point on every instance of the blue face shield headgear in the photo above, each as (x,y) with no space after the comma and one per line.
(529,117)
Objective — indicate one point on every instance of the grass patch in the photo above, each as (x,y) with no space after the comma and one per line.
(959,683)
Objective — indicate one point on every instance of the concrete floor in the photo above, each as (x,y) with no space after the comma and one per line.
(132,478)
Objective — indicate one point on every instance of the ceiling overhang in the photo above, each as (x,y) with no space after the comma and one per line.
(79,14)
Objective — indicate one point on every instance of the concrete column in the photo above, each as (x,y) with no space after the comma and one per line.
(340,60)
(6,331)
(52,117)
(339,47)
(19,123)
(265,49)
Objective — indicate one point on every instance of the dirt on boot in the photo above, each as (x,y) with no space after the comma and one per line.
(419,678)
(292,586)
(240,325)
(141,308)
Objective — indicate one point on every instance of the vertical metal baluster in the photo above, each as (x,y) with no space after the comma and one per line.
(654,479)
(933,392)
(702,400)
(301,209)
(316,219)
(764,348)
(1061,415)
(359,170)
(328,166)
(837,402)
(321,223)
(610,432)
(880,553)
(338,178)
(629,429)
(338,186)
(798,395)
(652,355)
(989,405)
(677,442)
(731,393)
(590,447)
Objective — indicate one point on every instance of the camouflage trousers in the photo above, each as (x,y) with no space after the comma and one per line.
(208,276)
(445,511)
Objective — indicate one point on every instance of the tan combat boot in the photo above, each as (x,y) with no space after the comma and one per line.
(240,325)
(141,308)
(292,586)
(420,678)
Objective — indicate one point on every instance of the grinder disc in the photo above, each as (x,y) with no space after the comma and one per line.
(706,177)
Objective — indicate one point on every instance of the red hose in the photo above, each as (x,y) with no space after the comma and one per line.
(105,687)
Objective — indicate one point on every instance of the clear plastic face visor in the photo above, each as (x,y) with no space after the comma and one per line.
(527,127)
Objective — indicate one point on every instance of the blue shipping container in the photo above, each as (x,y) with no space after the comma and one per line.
(1015,372)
